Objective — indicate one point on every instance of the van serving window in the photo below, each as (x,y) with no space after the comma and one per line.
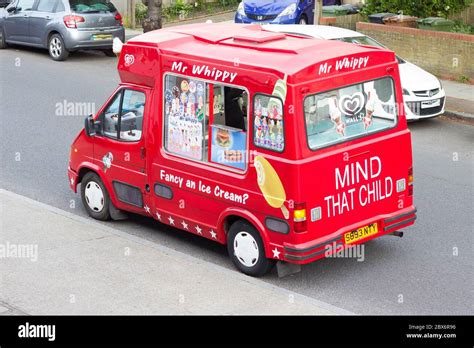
(194,130)
(268,123)
(346,113)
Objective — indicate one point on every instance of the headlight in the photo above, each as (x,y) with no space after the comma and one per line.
(240,9)
(405,92)
(288,11)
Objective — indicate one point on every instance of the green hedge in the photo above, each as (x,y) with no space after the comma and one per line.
(418,8)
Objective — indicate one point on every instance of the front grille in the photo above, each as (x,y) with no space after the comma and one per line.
(428,93)
(415,107)
(261,17)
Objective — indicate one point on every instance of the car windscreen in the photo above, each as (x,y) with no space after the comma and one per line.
(91,6)
(354,111)
(365,40)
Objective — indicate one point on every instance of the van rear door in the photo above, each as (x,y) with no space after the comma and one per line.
(360,158)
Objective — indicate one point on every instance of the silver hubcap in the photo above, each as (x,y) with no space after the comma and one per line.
(246,249)
(94,196)
(55,47)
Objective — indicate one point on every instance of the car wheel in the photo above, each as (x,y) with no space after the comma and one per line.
(303,20)
(246,249)
(57,49)
(95,197)
(109,53)
(3,42)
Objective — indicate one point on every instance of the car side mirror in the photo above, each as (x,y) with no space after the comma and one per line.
(89,126)
(13,9)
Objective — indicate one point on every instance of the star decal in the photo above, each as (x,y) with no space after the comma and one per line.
(213,234)
(171,220)
(147,209)
(158,215)
(198,229)
(185,225)
(276,253)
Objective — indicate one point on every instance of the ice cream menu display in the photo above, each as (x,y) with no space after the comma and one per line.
(228,147)
(184,112)
(268,123)
(268,118)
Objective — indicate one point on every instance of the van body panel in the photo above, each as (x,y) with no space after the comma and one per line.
(343,187)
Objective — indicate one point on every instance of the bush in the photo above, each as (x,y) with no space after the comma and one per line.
(141,11)
(421,9)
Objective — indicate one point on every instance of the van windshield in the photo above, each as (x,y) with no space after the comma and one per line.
(91,6)
(349,112)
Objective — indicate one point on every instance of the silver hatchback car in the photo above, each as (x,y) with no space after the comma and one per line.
(61,26)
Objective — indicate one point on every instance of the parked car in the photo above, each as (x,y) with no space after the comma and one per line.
(423,93)
(61,26)
(279,12)
(4,3)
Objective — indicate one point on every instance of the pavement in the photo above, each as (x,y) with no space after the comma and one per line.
(459,100)
(79,266)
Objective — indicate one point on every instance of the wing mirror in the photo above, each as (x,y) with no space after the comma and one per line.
(90,126)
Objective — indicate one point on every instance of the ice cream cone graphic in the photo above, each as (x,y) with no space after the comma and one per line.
(279,91)
(270,185)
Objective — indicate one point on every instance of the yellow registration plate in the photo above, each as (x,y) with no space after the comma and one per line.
(360,233)
(102,37)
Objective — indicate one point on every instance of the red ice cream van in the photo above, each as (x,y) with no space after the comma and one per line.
(284,148)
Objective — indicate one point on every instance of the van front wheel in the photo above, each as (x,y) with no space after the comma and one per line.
(246,249)
(95,197)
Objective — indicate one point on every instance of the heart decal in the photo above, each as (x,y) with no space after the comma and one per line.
(129,59)
(352,104)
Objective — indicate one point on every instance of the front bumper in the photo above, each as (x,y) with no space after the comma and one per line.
(323,247)
(265,20)
(75,39)
(415,111)
(73,176)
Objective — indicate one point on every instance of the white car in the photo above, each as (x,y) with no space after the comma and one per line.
(423,93)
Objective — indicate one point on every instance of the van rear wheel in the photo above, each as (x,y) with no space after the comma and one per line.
(95,197)
(246,249)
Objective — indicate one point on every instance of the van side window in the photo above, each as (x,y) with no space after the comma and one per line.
(268,123)
(350,112)
(195,130)
(123,118)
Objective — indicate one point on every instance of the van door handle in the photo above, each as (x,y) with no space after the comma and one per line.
(142,152)
(25,15)
(47,17)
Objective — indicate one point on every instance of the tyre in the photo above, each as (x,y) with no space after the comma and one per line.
(3,43)
(57,49)
(95,197)
(109,53)
(246,249)
(303,20)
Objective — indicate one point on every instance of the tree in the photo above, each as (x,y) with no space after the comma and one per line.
(153,19)
(318,11)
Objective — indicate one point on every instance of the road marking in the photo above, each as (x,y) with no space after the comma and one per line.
(174,253)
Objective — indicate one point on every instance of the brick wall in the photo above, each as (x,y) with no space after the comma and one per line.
(447,55)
